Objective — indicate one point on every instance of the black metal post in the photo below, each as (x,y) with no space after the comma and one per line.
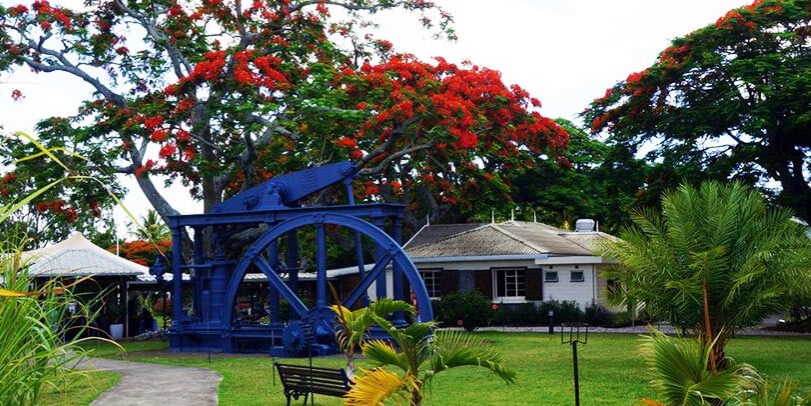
(576,375)
(575,337)
(551,315)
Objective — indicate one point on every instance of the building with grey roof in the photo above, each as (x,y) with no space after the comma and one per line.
(512,262)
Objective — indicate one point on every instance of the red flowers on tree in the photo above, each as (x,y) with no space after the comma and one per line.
(727,100)
(143,252)
(222,94)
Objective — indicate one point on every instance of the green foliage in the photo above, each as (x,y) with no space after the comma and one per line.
(152,228)
(597,315)
(38,348)
(532,314)
(754,259)
(409,349)
(590,180)
(471,308)
(522,314)
(682,376)
(58,209)
(33,324)
(681,372)
(352,326)
(219,96)
(725,101)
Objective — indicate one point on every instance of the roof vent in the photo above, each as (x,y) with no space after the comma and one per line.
(585,225)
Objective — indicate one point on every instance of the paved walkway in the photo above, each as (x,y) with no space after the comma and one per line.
(151,384)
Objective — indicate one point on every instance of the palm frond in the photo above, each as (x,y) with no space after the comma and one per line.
(680,371)
(383,353)
(457,348)
(375,386)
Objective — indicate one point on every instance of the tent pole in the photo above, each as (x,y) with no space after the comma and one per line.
(126,309)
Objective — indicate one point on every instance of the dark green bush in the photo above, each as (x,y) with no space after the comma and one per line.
(468,309)
(537,314)
(523,314)
(597,315)
(566,311)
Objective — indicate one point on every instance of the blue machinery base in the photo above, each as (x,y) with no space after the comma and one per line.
(214,280)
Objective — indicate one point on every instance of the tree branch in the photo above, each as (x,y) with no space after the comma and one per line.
(68,67)
(399,154)
(178,61)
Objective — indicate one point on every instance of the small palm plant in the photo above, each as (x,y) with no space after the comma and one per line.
(353,325)
(682,375)
(420,353)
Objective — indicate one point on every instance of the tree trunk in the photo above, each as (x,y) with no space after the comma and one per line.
(416,395)
(350,366)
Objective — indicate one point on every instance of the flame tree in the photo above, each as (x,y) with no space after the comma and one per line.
(727,100)
(219,95)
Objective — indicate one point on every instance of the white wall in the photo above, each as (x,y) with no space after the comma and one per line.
(584,293)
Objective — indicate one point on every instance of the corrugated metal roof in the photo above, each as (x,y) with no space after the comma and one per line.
(589,240)
(76,256)
(260,277)
(548,238)
(510,238)
(484,240)
(434,233)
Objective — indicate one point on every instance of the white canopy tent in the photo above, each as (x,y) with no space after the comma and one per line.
(76,256)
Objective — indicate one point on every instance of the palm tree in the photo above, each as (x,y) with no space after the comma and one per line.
(681,377)
(681,373)
(715,260)
(412,347)
(353,325)
(152,228)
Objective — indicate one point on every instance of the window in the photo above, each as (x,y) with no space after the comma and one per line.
(550,276)
(577,276)
(431,279)
(510,283)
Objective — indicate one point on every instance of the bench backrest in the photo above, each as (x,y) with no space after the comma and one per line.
(325,381)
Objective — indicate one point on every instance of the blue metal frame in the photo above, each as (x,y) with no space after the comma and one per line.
(215,282)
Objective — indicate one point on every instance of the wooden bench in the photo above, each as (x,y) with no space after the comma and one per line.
(301,380)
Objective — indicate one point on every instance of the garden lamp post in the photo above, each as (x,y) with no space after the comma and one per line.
(577,333)
(551,315)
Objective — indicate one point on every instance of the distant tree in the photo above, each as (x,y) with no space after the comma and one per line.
(143,252)
(591,179)
(152,228)
(753,260)
(730,100)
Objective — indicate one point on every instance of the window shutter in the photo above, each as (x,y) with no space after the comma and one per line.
(448,281)
(484,283)
(533,281)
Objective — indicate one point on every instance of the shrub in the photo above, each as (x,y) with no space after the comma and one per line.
(469,309)
(37,329)
(523,314)
(597,315)
(566,311)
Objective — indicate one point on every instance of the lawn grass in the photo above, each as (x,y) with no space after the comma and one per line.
(79,389)
(611,371)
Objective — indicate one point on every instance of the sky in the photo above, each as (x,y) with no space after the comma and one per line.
(564,52)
